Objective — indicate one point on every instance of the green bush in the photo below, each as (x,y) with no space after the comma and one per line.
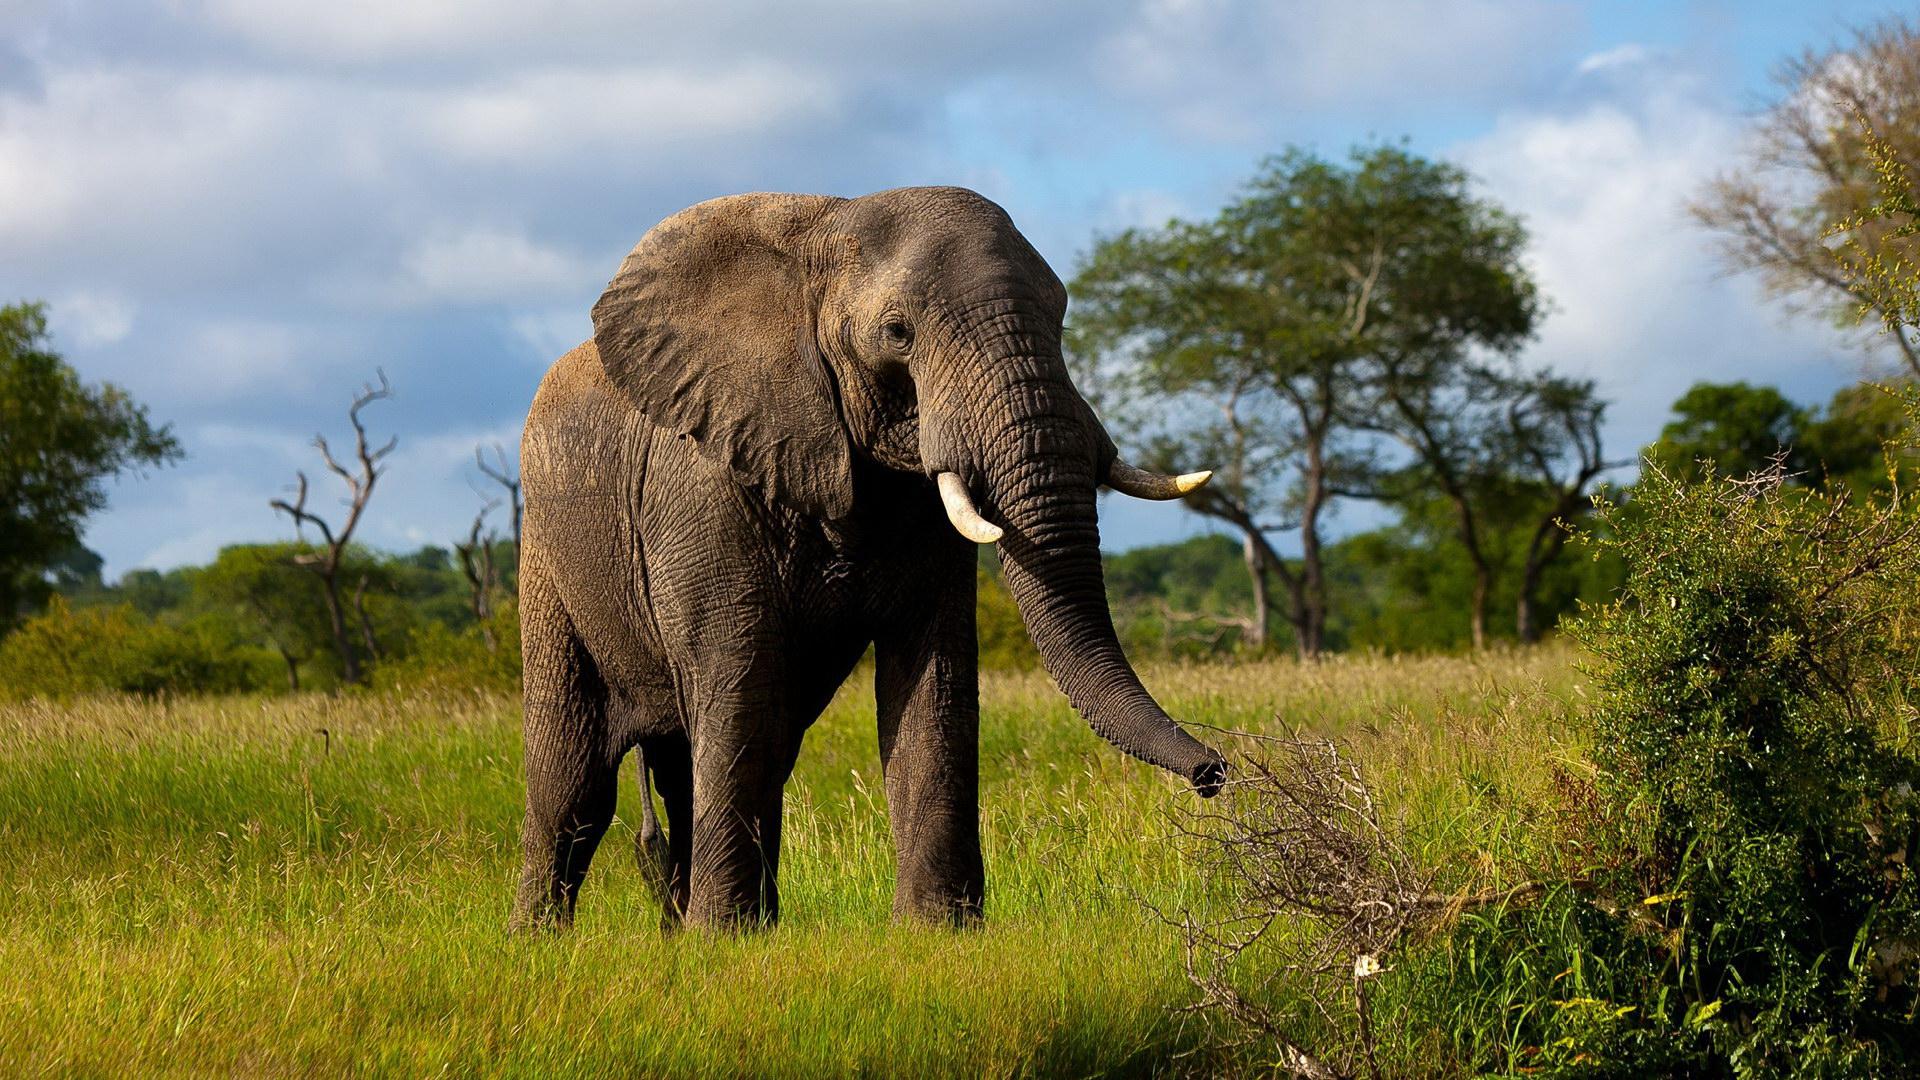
(441,658)
(1004,644)
(65,652)
(1754,732)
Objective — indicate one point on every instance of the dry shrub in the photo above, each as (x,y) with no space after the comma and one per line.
(1312,874)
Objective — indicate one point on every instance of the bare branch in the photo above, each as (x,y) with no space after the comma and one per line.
(327,564)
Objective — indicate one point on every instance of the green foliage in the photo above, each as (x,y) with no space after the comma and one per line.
(1856,442)
(60,441)
(1731,428)
(1004,644)
(1330,306)
(1877,256)
(442,659)
(1180,601)
(259,587)
(1754,733)
(63,653)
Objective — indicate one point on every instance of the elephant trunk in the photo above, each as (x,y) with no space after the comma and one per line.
(1039,476)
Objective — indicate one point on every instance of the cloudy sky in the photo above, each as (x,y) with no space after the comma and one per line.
(239,209)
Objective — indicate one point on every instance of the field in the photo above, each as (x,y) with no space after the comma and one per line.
(318,885)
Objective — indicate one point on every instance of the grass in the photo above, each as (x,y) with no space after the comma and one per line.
(315,885)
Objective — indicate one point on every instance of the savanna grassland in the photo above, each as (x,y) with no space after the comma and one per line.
(319,885)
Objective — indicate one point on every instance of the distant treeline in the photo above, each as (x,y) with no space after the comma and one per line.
(255,620)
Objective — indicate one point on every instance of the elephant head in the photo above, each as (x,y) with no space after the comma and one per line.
(786,334)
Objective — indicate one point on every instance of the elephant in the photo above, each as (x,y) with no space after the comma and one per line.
(795,419)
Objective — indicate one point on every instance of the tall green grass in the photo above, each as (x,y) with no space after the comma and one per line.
(315,885)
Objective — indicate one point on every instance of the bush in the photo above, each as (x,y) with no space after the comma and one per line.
(1755,740)
(1730,894)
(63,653)
(440,658)
(1004,644)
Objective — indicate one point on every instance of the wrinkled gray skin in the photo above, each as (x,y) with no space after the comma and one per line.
(728,496)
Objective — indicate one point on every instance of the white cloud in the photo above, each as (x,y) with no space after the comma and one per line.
(226,360)
(485,264)
(537,115)
(552,332)
(1640,303)
(1619,56)
(1219,70)
(93,318)
(242,207)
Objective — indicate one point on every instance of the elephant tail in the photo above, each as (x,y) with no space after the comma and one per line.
(649,843)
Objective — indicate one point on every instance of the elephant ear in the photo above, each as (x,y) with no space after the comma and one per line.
(708,329)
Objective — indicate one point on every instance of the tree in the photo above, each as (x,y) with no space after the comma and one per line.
(60,441)
(1552,436)
(328,562)
(1462,292)
(1168,339)
(1737,428)
(265,586)
(1813,170)
(483,577)
(507,476)
(1264,342)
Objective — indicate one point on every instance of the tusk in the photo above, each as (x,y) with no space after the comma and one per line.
(961,511)
(1142,484)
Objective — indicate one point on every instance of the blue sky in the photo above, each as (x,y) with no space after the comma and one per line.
(240,208)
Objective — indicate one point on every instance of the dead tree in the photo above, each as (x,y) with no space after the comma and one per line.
(508,477)
(477,565)
(327,564)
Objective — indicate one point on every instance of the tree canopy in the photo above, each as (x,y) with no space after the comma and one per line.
(1846,123)
(1331,309)
(61,439)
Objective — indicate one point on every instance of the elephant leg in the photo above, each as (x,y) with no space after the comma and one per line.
(738,776)
(667,859)
(570,778)
(927,686)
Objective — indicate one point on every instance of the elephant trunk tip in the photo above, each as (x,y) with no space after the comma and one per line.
(1209,776)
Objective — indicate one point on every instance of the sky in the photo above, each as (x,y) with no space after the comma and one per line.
(241,209)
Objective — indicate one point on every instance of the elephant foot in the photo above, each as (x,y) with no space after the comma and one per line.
(960,913)
(538,920)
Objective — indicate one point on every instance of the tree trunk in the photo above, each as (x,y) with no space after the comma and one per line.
(293,671)
(1482,591)
(1523,605)
(1313,579)
(1257,572)
(1548,541)
(337,624)
(366,624)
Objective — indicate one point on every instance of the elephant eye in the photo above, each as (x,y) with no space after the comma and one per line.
(899,335)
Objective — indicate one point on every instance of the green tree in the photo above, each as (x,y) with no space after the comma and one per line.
(263,587)
(1551,438)
(1251,342)
(60,441)
(1459,292)
(1737,428)
(1855,440)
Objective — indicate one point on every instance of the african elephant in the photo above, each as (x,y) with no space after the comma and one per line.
(796,417)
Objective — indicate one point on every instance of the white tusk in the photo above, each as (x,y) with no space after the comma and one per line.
(1142,484)
(961,511)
